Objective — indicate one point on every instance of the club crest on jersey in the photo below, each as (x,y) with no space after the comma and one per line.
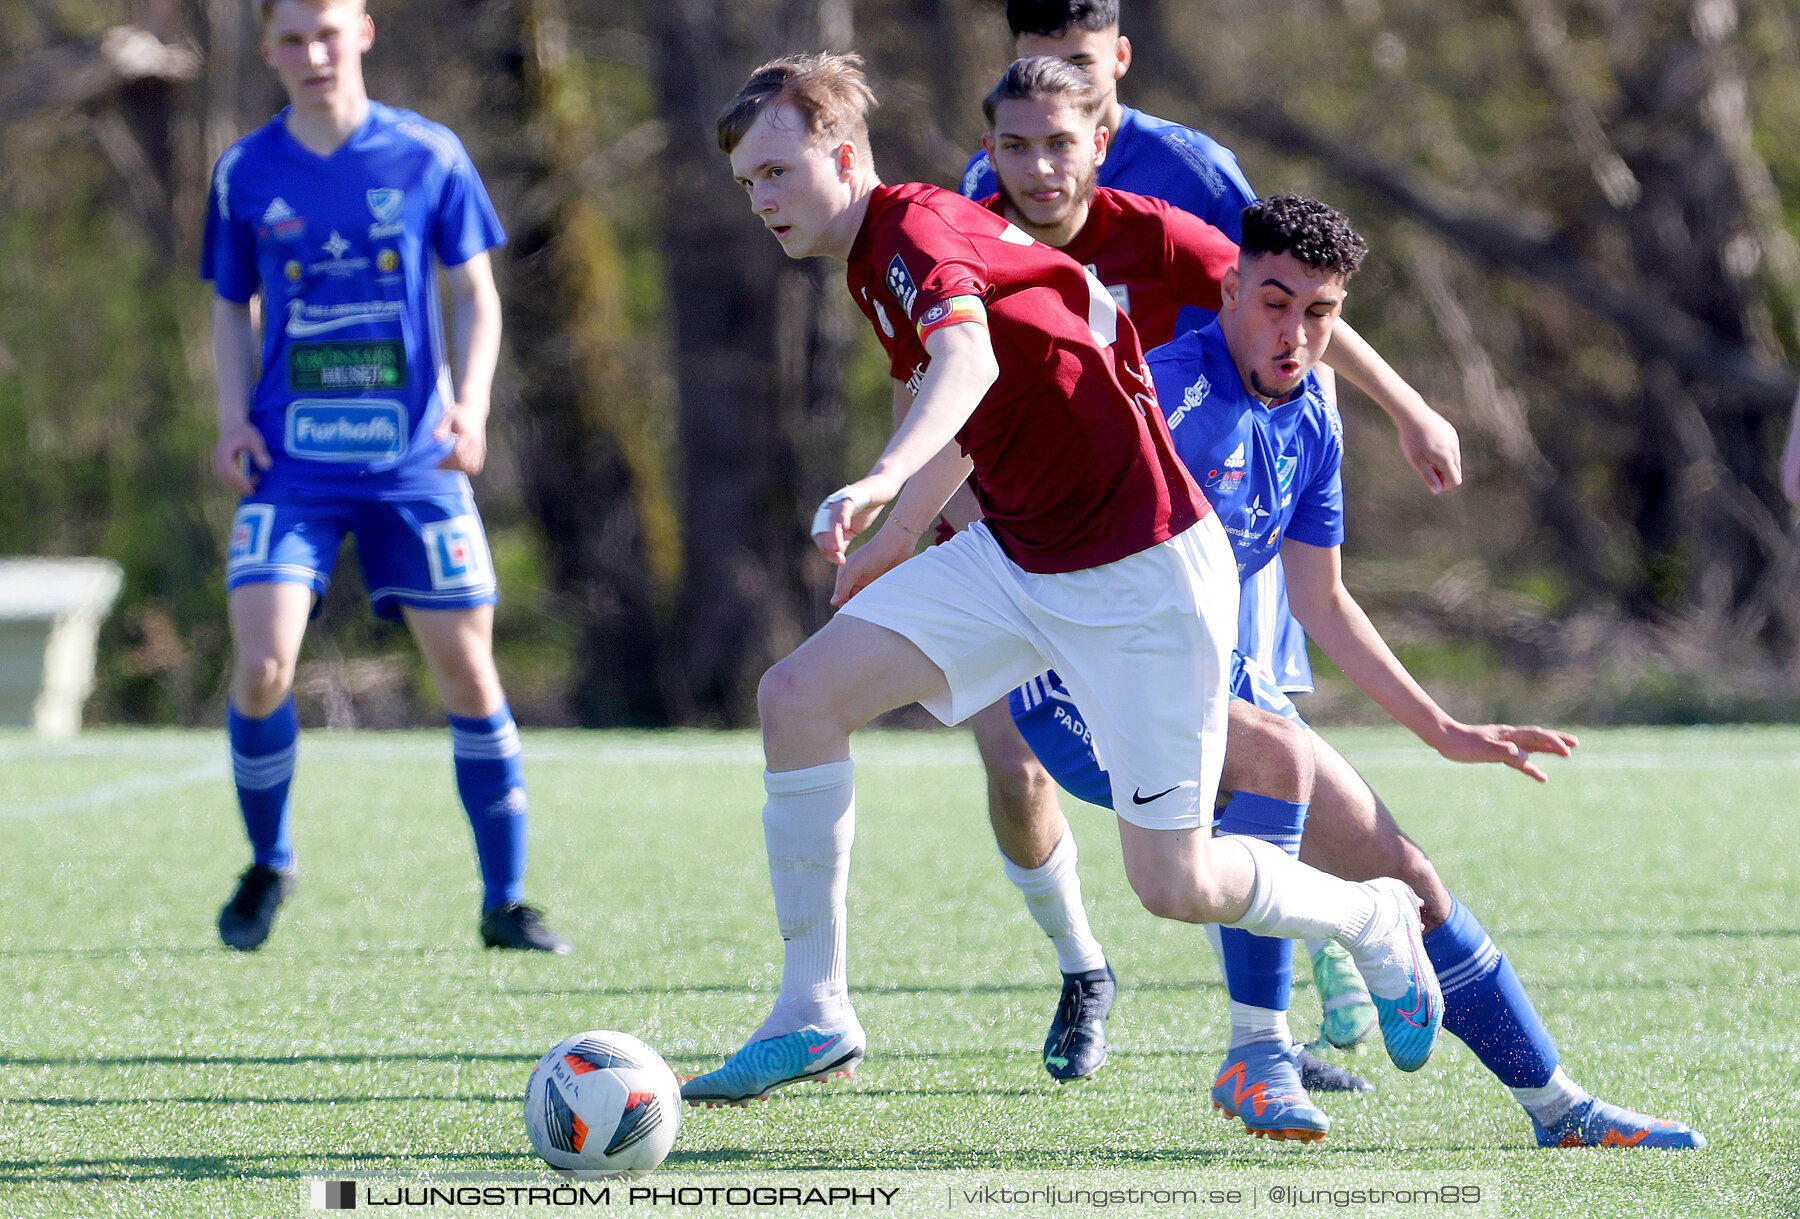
(1284,477)
(385,201)
(900,283)
(457,552)
(384,204)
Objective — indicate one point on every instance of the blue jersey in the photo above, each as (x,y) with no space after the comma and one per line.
(1152,156)
(1271,472)
(344,251)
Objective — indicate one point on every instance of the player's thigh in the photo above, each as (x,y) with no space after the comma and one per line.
(845,675)
(268,622)
(277,567)
(427,553)
(458,646)
(1003,750)
(1268,749)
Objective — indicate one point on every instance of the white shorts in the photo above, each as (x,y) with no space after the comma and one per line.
(1144,645)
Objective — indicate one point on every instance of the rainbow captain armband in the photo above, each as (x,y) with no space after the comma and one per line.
(951,312)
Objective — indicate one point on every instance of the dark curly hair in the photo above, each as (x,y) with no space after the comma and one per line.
(1049,18)
(1313,233)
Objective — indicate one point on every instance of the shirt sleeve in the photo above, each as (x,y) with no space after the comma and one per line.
(1197,255)
(1319,507)
(466,223)
(927,263)
(978,181)
(1216,190)
(228,251)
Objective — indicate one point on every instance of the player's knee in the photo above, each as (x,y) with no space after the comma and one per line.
(1166,899)
(784,694)
(1173,894)
(469,687)
(263,681)
(1416,869)
(1020,791)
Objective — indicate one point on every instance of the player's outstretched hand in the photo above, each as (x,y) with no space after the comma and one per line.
(1507,744)
(1431,446)
(240,449)
(467,422)
(845,513)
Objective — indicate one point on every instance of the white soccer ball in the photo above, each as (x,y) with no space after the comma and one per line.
(602,1102)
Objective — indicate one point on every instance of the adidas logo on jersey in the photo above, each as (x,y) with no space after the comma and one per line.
(1236,460)
(283,221)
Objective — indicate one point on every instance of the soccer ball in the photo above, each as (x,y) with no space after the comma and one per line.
(602,1102)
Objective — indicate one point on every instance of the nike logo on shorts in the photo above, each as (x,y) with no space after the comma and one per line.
(1138,798)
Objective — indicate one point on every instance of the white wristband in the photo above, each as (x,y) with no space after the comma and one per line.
(857,497)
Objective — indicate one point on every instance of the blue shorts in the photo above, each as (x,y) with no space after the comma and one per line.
(429,553)
(1052,725)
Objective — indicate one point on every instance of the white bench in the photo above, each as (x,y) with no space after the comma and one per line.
(50,616)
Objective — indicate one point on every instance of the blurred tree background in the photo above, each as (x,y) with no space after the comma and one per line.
(1583,253)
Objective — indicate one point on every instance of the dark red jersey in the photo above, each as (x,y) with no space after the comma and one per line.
(1074,467)
(1153,257)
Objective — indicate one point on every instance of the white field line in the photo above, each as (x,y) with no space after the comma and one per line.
(926,750)
(105,796)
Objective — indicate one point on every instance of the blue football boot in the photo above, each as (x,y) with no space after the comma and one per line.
(1259,1084)
(1594,1123)
(775,1062)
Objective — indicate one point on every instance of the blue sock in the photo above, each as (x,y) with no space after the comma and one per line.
(262,763)
(490,777)
(1486,1005)
(1260,971)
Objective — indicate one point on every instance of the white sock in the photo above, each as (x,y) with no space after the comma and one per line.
(808,825)
(1291,901)
(1053,895)
(1552,1100)
(1250,1024)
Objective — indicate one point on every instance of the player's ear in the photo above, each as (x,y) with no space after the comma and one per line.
(1122,57)
(987,145)
(1102,141)
(845,157)
(366,33)
(1229,285)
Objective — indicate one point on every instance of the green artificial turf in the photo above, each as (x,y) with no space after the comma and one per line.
(1649,897)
